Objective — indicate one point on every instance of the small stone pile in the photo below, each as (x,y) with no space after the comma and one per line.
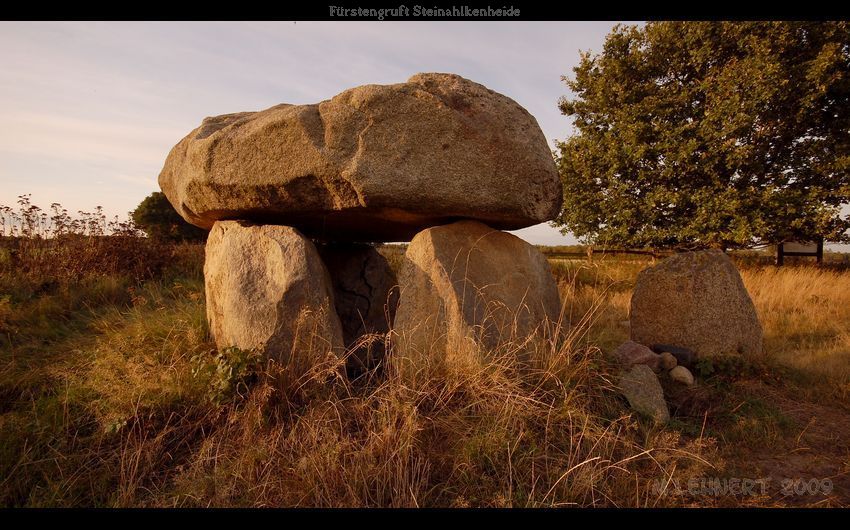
(638,379)
(690,306)
(294,194)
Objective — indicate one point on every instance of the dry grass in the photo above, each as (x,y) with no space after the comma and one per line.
(805,313)
(479,434)
(130,405)
(597,294)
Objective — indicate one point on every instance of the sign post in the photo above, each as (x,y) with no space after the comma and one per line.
(799,248)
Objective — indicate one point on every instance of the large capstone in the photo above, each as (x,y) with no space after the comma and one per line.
(374,163)
(468,287)
(268,290)
(695,300)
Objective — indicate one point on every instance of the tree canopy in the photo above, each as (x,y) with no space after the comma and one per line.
(709,134)
(158,218)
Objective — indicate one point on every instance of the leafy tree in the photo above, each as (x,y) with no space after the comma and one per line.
(160,220)
(709,134)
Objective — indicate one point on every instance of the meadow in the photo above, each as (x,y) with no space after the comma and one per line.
(112,394)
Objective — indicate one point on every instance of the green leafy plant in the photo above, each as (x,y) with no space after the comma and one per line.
(228,373)
(726,366)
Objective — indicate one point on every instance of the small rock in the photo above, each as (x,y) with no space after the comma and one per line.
(631,353)
(684,356)
(680,374)
(643,391)
(668,361)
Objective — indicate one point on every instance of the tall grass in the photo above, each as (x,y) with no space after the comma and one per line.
(804,310)
(479,435)
(805,313)
(131,405)
(118,412)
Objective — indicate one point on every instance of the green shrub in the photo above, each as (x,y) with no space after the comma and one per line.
(228,373)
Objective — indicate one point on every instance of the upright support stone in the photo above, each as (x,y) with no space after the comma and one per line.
(267,289)
(365,295)
(468,288)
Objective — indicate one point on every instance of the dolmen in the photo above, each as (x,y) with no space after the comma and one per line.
(296,197)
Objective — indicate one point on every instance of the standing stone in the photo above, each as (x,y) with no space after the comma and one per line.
(642,389)
(695,300)
(365,296)
(466,287)
(267,289)
(374,163)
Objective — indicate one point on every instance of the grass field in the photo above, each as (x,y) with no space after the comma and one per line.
(112,394)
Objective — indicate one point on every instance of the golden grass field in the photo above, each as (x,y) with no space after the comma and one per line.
(112,395)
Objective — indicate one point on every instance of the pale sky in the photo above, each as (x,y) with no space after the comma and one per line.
(89,110)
